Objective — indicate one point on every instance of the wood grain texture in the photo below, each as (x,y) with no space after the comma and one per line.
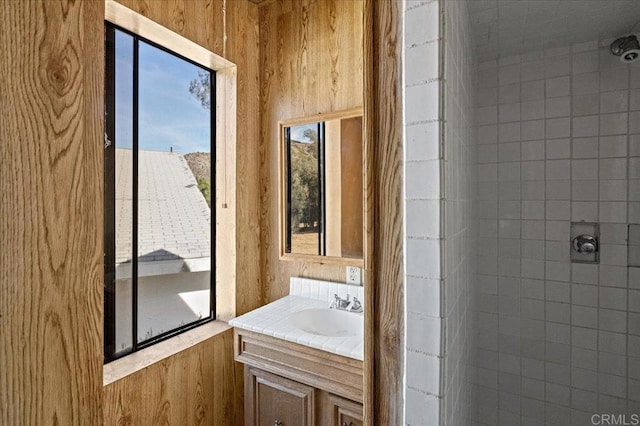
(328,371)
(195,387)
(333,410)
(275,400)
(140,360)
(243,49)
(383,104)
(201,21)
(51,212)
(369,135)
(310,63)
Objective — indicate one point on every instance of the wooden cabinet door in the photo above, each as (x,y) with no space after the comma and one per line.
(337,411)
(275,401)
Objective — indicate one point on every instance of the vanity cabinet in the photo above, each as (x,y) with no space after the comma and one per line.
(287,384)
(272,400)
(337,411)
(276,401)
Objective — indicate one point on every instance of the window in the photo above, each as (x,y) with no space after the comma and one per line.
(159,234)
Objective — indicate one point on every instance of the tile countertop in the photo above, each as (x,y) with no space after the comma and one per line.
(273,320)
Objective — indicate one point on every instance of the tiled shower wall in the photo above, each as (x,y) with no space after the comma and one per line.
(459,225)
(421,79)
(438,213)
(558,141)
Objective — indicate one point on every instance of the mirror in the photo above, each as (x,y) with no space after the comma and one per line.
(321,190)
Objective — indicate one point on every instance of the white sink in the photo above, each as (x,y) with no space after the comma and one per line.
(328,322)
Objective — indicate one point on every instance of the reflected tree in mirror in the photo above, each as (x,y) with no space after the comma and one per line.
(323,188)
(305,219)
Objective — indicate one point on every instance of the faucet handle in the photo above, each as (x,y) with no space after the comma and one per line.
(347,299)
(356,306)
(334,302)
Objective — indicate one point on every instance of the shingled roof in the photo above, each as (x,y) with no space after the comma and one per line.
(174,220)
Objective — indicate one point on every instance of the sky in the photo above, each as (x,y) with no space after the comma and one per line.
(297,132)
(169,115)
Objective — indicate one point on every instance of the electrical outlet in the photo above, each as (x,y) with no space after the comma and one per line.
(353,275)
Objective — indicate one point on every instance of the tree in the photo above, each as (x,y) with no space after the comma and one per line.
(204,185)
(305,185)
(200,87)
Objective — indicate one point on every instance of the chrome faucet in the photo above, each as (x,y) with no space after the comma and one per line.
(346,304)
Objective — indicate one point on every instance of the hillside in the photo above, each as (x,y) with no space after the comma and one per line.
(200,164)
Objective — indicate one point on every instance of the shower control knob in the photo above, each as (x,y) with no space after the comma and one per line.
(585,244)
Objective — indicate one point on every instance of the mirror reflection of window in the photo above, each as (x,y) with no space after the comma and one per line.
(305,189)
(324,184)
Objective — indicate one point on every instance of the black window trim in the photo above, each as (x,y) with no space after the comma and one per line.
(109,210)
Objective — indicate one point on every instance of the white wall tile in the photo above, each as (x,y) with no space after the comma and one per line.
(579,146)
(421,102)
(421,24)
(613,146)
(422,208)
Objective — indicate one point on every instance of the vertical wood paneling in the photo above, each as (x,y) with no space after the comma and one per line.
(201,21)
(200,386)
(243,50)
(369,135)
(383,89)
(51,212)
(51,95)
(310,63)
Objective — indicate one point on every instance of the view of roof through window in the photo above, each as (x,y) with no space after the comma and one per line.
(162,221)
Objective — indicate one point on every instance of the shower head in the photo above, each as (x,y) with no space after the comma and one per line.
(627,48)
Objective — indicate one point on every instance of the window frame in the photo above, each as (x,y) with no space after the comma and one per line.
(109,300)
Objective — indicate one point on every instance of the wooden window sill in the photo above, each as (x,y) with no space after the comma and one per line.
(140,360)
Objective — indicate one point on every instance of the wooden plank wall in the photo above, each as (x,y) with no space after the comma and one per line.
(385,345)
(311,62)
(51,275)
(51,109)
(199,386)
(51,204)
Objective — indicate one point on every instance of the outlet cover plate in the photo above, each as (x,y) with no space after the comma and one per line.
(353,275)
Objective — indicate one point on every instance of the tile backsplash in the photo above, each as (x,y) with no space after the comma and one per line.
(324,290)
